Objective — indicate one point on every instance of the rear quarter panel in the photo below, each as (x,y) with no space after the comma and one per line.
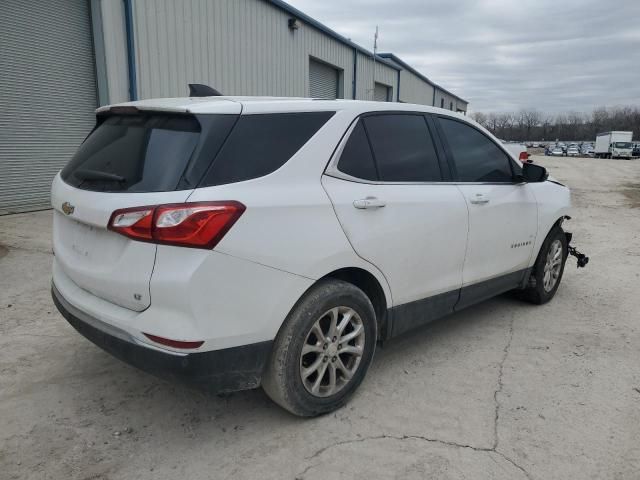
(289,223)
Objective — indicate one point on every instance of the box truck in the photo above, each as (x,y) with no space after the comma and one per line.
(614,145)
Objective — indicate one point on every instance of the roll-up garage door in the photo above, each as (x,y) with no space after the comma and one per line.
(381,92)
(47,95)
(323,80)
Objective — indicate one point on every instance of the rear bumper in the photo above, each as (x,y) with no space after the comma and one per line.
(217,371)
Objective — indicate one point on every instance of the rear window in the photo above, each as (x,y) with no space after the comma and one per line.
(261,143)
(135,153)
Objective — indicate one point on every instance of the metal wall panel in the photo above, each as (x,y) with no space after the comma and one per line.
(115,50)
(415,90)
(365,82)
(387,75)
(323,80)
(47,96)
(449,100)
(461,106)
(239,47)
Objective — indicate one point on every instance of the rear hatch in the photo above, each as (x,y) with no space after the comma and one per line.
(132,158)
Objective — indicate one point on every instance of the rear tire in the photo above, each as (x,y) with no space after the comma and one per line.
(548,269)
(323,350)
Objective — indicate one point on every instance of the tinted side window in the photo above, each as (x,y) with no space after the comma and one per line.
(403,148)
(261,143)
(356,159)
(477,158)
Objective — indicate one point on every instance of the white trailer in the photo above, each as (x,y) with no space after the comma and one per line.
(614,145)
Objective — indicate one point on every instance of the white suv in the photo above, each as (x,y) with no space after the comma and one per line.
(234,242)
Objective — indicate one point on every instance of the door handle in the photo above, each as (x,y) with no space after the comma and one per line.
(369,202)
(479,199)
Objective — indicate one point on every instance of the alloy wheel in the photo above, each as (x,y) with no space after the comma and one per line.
(332,351)
(552,266)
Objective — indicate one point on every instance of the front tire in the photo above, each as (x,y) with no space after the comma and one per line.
(548,269)
(323,350)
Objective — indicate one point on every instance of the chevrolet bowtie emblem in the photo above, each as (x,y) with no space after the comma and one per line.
(67,208)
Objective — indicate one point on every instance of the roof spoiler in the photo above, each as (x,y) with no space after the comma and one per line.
(200,90)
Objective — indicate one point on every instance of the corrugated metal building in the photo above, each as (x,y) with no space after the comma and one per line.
(417,88)
(63,58)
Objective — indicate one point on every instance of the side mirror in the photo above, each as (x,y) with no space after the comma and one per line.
(532,173)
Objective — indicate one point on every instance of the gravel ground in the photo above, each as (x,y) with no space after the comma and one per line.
(503,390)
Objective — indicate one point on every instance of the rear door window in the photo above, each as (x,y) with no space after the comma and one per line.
(356,159)
(476,157)
(403,148)
(259,144)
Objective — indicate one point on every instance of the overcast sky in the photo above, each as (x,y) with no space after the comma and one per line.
(504,55)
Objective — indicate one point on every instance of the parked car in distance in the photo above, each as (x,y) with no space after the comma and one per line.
(237,242)
(557,152)
(587,150)
(636,150)
(573,151)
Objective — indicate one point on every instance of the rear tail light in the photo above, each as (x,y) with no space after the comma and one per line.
(133,222)
(524,156)
(196,225)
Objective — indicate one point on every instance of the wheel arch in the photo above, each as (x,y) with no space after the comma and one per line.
(539,244)
(558,223)
(371,286)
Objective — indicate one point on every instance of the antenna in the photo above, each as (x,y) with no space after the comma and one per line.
(375,52)
(375,40)
(199,90)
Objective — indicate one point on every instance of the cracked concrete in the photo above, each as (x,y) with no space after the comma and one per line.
(492,449)
(311,466)
(498,391)
(503,390)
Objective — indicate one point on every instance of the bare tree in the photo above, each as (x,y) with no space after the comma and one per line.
(479,117)
(575,123)
(532,125)
(547,126)
(492,121)
(528,119)
(504,128)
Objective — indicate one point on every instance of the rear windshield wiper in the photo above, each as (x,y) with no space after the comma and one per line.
(83,174)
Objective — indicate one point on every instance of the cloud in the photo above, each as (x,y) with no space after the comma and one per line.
(569,55)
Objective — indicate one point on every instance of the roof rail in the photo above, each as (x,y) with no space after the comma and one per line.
(200,90)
